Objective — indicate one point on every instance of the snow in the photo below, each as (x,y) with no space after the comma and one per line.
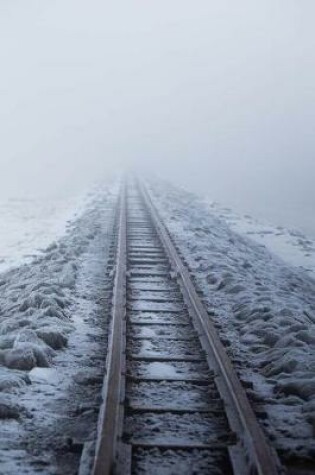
(289,244)
(262,306)
(53,337)
(31,224)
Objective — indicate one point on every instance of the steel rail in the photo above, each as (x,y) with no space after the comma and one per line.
(252,454)
(112,408)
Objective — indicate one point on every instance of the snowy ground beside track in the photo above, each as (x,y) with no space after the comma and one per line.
(29,225)
(291,245)
(264,308)
(53,337)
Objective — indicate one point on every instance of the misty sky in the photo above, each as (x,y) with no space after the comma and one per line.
(218,96)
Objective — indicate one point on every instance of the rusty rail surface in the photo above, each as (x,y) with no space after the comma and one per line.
(251,455)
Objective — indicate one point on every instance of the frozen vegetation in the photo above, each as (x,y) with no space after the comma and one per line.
(264,309)
(52,345)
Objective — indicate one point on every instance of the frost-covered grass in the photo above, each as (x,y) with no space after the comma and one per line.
(265,312)
(52,329)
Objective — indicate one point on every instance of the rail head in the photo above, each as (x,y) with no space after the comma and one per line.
(260,458)
(111,409)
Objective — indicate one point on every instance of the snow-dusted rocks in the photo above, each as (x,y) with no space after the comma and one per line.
(12,380)
(8,409)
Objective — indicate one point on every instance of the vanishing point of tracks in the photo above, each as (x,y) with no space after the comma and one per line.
(172,402)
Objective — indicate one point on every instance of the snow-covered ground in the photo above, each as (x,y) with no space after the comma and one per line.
(28,225)
(53,323)
(291,245)
(264,309)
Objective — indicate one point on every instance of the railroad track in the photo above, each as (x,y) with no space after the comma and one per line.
(172,402)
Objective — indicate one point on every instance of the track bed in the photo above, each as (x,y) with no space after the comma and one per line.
(172,402)
(174,417)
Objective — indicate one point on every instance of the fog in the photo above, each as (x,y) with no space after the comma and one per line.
(218,96)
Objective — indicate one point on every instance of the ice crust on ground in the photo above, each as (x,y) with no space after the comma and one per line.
(264,310)
(53,343)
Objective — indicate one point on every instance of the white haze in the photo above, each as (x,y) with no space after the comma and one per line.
(218,96)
